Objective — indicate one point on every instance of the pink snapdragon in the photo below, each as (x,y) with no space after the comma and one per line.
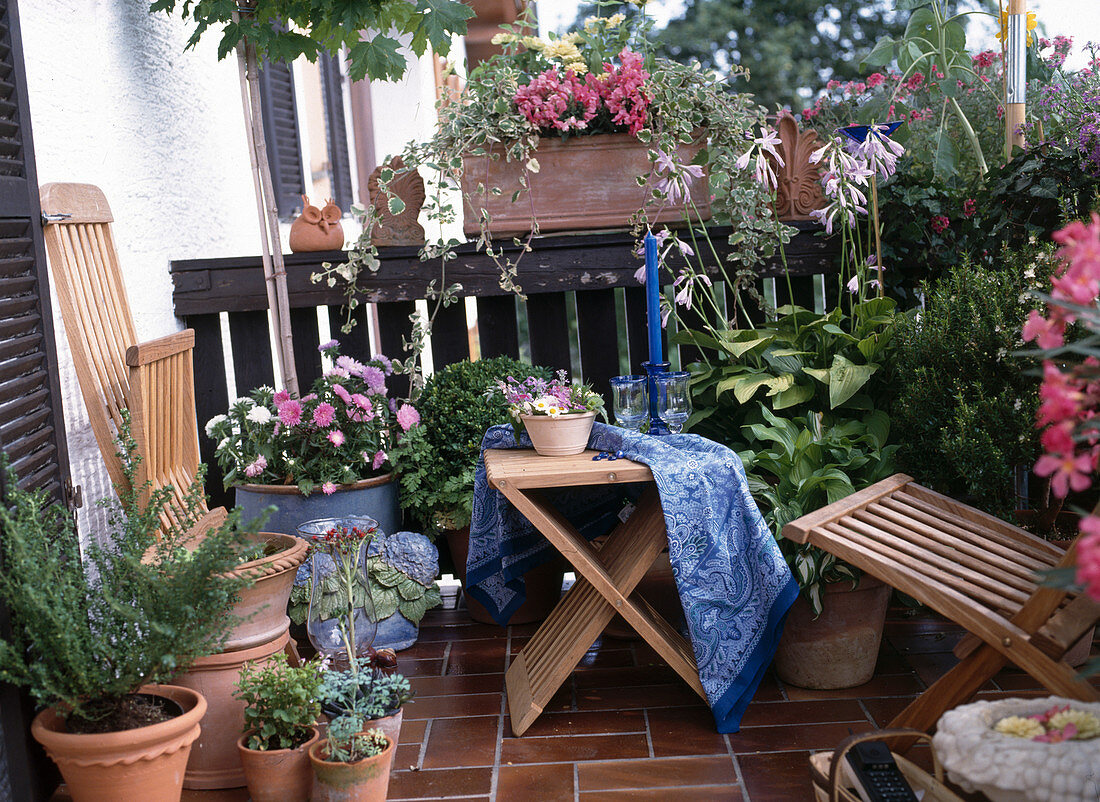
(624,93)
(559,101)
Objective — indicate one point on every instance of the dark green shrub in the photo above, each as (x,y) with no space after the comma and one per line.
(457,405)
(965,410)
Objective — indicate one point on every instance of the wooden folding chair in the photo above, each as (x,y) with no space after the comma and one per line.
(154,380)
(970,567)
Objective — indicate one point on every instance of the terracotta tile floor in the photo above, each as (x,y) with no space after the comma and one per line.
(625,728)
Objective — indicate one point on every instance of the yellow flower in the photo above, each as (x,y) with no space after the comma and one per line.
(561,50)
(615,20)
(1019,727)
(1088,726)
(533,43)
(573,37)
(578,68)
(592,24)
(638,3)
(503,38)
(1032,23)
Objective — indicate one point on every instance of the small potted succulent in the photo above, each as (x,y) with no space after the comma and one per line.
(557,414)
(281,710)
(99,628)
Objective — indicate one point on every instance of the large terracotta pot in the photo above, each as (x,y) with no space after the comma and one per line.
(374,498)
(278,775)
(215,761)
(262,608)
(584,182)
(560,436)
(140,765)
(366,780)
(839,648)
(543,584)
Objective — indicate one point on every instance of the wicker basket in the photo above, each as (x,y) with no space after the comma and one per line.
(832,785)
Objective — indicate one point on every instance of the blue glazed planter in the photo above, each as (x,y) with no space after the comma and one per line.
(374,498)
(395,632)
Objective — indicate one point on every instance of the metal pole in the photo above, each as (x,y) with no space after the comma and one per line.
(1016,73)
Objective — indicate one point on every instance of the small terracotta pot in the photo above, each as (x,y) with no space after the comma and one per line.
(140,765)
(839,648)
(215,761)
(560,436)
(391,728)
(262,608)
(543,584)
(366,780)
(278,775)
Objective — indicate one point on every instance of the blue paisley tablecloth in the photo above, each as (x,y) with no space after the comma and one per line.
(734,584)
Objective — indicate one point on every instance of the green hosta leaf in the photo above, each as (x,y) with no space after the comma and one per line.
(821,374)
(779,384)
(846,378)
(743,387)
(797,394)
(877,425)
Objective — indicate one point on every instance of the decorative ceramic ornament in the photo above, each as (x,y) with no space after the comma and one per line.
(317,229)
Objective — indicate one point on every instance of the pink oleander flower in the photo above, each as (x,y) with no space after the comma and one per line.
(290,413)
(1047,333)
(970,206)
(379,458)
(324,414)
(407,417)
(1088,556)
(328,488)
(343,394)
(256,467)
(336,437)
(876,79)
(1067,472)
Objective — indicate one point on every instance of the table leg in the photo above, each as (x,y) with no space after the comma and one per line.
(604,587)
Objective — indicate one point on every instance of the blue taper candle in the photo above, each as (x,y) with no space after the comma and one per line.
(652,299)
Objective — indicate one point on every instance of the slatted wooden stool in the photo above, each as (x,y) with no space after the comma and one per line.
(605,579)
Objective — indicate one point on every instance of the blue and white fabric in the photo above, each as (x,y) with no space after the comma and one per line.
(735,586)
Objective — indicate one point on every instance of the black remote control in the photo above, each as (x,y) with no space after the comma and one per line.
(877,776)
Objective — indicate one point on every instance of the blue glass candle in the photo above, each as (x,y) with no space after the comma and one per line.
(653,299)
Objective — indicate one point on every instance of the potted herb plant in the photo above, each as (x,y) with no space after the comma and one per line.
(351,764)
(458,404)
(281,710)
(98,627)
(556,414)
(374,695)
(322,455)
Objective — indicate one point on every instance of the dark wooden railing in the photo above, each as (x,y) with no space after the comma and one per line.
(584,311)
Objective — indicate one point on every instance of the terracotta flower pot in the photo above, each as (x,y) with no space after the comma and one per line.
(140,765)
(839,648)
(262,608)
(365,780)
(560,436)
(543,584)
(278,775)
(215,761)
(391,728)
(584,182)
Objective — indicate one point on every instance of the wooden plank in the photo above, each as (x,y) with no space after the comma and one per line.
(393,325)
(558,263)
(251,348)
(450,335)
(160,348)
(800,530)
(307,359)
(598,333)
(497,329)
(523,468)
(211,397)
(549,328)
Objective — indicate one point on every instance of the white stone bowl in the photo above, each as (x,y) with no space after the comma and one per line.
(1010,769)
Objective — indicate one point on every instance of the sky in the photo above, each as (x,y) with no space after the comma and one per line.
(1079,19)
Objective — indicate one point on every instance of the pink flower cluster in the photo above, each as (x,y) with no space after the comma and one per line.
(563,102)
(1070,395)
(940,223)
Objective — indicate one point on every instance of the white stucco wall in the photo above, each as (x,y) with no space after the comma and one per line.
(116,102)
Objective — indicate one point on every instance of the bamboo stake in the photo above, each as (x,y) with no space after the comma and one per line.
(1016,72)
(274,266)
(878,243)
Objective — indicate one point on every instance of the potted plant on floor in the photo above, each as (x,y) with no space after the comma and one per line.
(458,404)
(281,710)
(557,414)
(378,697)
(99,626)
(350,764)
(326,454)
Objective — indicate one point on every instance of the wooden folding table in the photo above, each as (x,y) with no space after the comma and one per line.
(606,578)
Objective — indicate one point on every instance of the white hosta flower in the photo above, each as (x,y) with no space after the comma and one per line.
(214,421)
(259,415)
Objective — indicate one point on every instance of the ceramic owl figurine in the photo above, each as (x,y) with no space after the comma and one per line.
(317,229)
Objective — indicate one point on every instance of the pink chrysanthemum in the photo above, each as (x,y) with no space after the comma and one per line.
(324,414)
(336,437)
(379,458)
(290,413)
(407,417)
(256,467)
(328,488)
(343,394)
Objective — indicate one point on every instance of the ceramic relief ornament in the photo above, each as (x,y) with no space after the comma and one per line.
(401,228)
(317,229)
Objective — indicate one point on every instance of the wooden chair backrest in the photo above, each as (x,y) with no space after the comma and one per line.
(87,278)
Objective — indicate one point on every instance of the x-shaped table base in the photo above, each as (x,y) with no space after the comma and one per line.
(605,578)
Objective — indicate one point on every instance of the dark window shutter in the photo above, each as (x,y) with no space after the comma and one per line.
(284,148)
(32,430)
(336,130)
